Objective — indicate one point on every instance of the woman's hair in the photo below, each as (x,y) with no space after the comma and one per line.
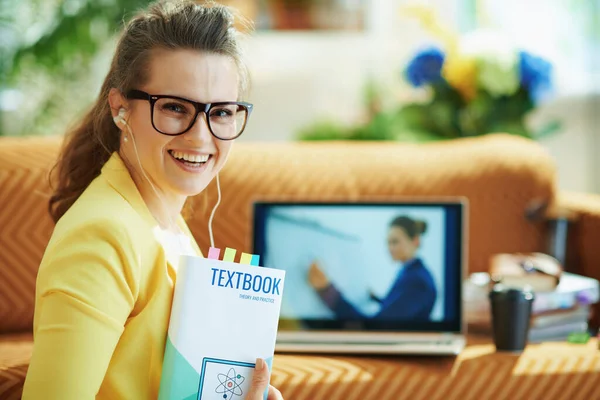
(411,226)
(167,25)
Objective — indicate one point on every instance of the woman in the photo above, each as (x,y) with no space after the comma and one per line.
(159,132)
(413,293)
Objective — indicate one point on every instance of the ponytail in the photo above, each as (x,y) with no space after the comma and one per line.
(85,151)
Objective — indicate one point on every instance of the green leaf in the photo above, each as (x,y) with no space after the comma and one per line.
(414,115)
(73,39)
(442,119)
(323,130)
(444,92)
(515,127)
(474,118)
(381,127)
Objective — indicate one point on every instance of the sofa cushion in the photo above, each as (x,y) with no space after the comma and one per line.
(15,353)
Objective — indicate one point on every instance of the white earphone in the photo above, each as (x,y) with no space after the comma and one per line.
(120,118)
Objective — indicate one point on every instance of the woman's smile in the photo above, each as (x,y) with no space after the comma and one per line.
(191,161)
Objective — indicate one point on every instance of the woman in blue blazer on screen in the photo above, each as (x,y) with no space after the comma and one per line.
(413,293)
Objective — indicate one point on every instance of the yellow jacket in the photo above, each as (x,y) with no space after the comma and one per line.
(103,298)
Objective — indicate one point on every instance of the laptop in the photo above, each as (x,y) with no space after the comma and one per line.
(367,277)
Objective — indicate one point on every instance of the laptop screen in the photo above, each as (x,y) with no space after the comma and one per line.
(365,266)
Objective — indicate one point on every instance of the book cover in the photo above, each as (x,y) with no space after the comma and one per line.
(224,315)
(572,290)
(579,313)
(556,332)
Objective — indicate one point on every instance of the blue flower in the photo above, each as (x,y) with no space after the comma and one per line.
(425,67)
(535,73)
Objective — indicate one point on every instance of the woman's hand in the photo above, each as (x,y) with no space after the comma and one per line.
(316,277)
(260,380)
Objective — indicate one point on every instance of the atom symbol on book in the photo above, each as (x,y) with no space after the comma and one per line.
(230,384)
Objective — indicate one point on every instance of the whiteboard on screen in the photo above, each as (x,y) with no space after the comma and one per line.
(293,243)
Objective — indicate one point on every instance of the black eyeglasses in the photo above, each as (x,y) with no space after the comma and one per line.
(175,116)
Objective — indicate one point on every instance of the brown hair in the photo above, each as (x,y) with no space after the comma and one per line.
(171,25)
(412,227)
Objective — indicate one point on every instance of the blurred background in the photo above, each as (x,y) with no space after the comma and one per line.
(402,70)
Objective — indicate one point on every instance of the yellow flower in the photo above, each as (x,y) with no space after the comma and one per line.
(460,72)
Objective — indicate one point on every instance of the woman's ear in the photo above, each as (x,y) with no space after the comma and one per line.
(116,101)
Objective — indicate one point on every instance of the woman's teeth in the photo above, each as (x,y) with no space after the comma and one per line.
(190,157)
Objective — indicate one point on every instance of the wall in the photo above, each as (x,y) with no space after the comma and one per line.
(576,148)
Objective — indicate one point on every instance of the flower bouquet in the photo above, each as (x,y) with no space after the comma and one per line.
(478,83)
(474,84)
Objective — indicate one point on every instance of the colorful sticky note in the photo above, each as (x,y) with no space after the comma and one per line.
(229,254)
(245,258)
(213,253)
(255,260)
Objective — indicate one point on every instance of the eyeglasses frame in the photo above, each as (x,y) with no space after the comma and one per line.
(136,94)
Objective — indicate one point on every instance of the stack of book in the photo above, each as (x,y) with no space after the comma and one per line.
(555,314)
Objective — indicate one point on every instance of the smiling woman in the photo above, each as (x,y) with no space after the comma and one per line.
(160,131)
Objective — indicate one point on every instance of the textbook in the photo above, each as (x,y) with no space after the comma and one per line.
(224,316)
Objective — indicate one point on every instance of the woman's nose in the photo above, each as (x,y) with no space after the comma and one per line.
(200,130)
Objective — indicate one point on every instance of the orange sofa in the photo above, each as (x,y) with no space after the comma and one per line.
(501,175)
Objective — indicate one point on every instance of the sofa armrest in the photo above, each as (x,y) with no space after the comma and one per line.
(584,238)
(585,232)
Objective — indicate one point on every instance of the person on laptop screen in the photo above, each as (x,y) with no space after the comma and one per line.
(413,293)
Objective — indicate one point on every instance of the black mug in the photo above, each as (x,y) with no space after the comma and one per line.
(511,313)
